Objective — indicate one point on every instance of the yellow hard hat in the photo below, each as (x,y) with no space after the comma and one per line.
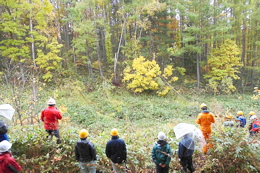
(251,113)
(240,113)
(83,133)
(229,116)
(114,132)
(203,105)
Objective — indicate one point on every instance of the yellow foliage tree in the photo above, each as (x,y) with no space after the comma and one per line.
(224,64)
(145,75)
(257,93)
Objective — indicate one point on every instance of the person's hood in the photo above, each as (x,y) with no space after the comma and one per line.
(161,143)
(205,111)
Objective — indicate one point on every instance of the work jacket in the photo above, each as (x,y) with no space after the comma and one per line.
(8,164)
(205,119)
(161,153)
(85,151)
(184,151)
(50,117)
(116,150)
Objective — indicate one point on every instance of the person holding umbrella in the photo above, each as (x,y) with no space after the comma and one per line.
(205,119)
(192,138)
(3,131)
(185,152)
(7,111)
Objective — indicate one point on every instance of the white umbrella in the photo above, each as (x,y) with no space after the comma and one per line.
(192,135)
(7,111)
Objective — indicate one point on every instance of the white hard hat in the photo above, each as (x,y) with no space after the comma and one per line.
(51,101)
(253,117)
(5,146)
(161,136)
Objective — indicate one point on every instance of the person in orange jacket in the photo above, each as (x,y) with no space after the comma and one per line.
(205,119)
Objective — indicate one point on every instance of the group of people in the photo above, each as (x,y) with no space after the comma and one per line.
(161,153)
(85,152)
(242,121)
(50,118)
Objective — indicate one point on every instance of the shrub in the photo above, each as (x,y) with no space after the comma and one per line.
(233,151)
(35,152)
(145,75)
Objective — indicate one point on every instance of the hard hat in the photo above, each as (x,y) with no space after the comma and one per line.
(161,136)
(253,117)
(83,133)
(203,105)
(51,101)
(229,116)
(114,132)
(251,113)
(240,113)
(5,146)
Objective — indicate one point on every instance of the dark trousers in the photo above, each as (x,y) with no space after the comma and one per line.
(186,163)
(56,133)
(160,169)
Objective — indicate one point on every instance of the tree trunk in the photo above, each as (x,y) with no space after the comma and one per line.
(118,50)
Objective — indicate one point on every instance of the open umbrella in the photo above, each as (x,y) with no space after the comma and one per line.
(192,136)
(7,111)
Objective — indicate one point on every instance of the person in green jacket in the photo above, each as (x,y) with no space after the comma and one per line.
(161,154)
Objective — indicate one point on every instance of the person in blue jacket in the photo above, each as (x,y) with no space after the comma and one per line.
(161,154)
(3,131)
(116,152)
(185,152)
(241,119)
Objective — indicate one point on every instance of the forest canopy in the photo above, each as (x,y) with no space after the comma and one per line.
(215,44)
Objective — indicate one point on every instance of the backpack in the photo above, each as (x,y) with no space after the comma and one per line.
(256,126)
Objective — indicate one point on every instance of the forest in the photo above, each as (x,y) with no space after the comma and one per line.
(210,44)
(141,66)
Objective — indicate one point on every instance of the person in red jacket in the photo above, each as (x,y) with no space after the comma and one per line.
(7,163)
(205,119)
(50,117)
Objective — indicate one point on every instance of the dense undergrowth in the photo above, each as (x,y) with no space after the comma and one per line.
(138,118)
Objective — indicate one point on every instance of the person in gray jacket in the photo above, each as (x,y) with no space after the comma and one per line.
(85,153)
